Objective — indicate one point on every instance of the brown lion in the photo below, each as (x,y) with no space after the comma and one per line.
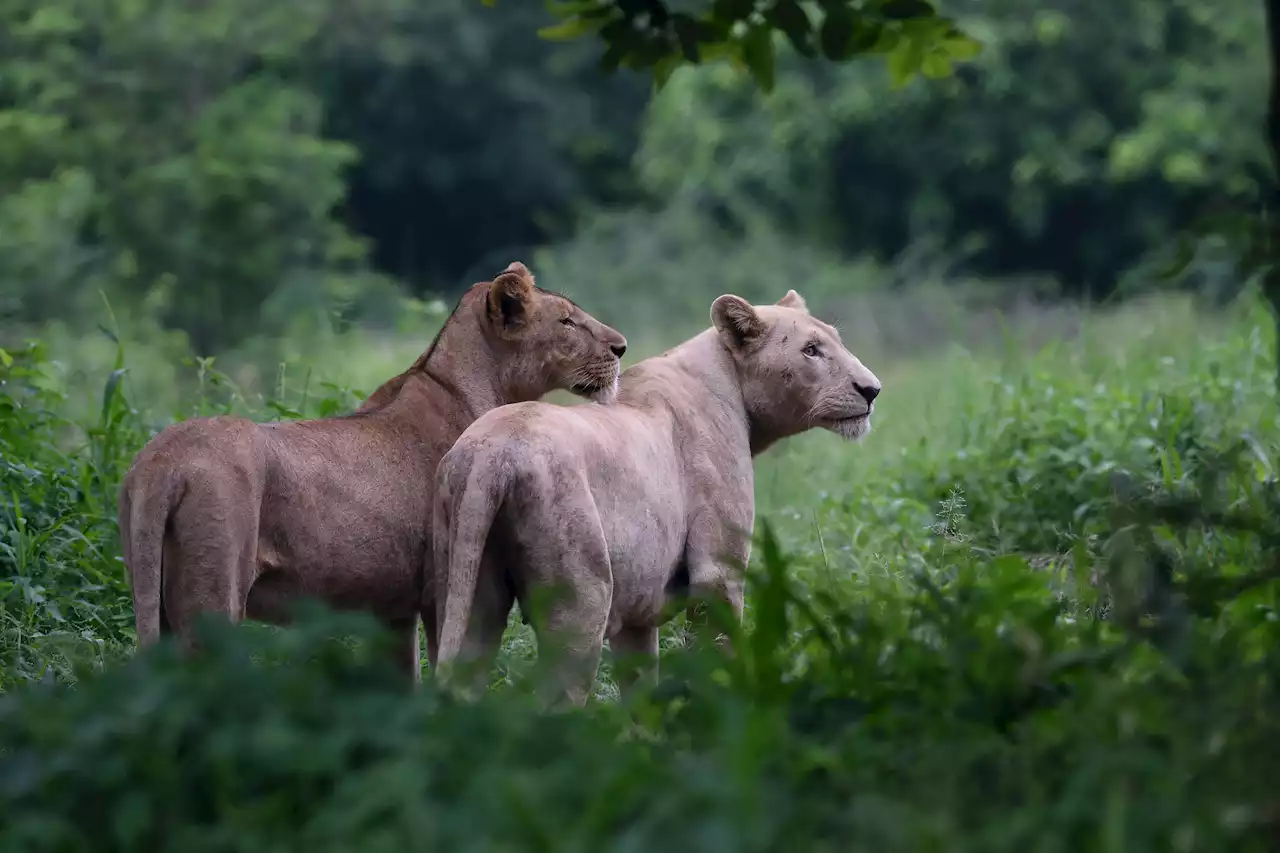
(230,516)
(638,506)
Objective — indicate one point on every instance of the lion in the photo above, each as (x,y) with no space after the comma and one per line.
(230,516)
(636,507)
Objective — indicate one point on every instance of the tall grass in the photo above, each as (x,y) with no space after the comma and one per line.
(1034,610)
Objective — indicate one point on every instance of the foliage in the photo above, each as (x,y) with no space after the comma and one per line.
(1075,145)
(1035,610)
(227,181)
(175,161)
(914,673)
(657,35)
(477,140)
(62,593)
(974,711)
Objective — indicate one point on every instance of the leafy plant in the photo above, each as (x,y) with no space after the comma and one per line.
(1041,616)
(655,35)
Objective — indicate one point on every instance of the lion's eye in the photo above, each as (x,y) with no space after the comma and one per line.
(811,350)
(567,322)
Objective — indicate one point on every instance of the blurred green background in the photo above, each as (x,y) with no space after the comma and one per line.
(312,183)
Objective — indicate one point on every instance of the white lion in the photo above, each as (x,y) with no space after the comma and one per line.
(630,507)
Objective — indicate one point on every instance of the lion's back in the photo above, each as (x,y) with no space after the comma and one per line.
(197,445)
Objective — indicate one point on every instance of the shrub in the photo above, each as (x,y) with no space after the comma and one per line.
(968,714)
(918,677)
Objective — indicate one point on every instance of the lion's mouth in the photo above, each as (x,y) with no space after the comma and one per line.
(596,382)
(852,427)
(596,390)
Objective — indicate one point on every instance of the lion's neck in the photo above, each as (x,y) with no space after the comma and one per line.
(720,409)
(459,379)
(705,359)
(427,399)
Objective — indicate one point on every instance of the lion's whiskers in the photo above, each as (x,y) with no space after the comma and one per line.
(597,381)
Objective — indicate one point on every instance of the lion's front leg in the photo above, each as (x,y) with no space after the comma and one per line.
(716,554)
(635,654)
(715,581)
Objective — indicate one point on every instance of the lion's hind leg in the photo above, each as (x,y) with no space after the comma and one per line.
(210,556)
(635,655)
(490,610)
(570,591)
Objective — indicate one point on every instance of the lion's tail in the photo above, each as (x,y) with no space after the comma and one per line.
(143,516)
(465,506)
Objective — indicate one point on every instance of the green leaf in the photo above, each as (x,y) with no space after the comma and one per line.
(758,54)
(904,62)
(283,410)
(836,35)
(109,393)
(1183,167)
(716,50)
(790,17)
(887,40)
(936,66)
(567,30)
(5,359)
(961,47)
(687,33)
(866,35)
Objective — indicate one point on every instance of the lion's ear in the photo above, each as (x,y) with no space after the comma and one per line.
(509,300)
(522,271)
(736,320)
(794,300)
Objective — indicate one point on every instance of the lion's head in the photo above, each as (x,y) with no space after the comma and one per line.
(794,370)
(552,341)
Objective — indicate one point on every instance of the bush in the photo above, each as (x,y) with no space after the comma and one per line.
(62,592)
(918,677)
(972,713)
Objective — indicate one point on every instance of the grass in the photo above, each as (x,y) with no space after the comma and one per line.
(1028,612)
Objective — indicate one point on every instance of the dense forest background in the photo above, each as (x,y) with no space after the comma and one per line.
(233,176)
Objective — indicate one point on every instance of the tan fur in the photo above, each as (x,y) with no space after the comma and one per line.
(629,508)
(240,518)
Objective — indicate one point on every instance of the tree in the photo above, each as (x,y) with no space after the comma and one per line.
(1265,227)
(477,139)
(1249,231)
(165,151)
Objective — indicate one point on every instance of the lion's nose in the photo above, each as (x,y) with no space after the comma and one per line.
(868,392)
(619,349)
